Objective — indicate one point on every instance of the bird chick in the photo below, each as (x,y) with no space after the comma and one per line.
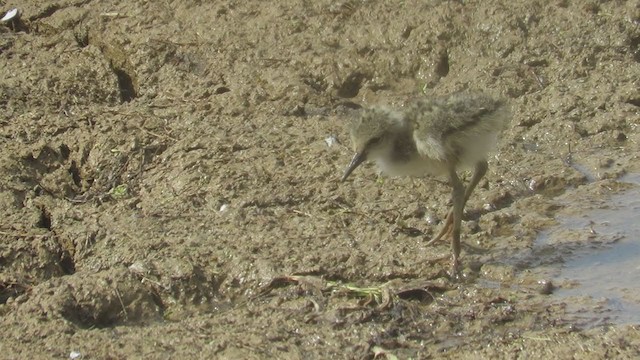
(433,137)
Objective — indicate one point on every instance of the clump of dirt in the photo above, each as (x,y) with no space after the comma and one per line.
(169,176)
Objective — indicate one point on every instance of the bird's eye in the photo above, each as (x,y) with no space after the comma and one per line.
(375,140)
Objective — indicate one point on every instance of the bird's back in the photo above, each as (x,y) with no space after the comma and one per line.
(458,129)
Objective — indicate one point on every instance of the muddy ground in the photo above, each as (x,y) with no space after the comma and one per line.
(169,181)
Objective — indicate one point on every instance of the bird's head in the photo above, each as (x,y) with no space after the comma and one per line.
(372,135)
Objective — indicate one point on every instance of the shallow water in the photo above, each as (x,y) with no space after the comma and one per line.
(600,278)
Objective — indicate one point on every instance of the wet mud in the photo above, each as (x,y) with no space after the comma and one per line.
(169,181)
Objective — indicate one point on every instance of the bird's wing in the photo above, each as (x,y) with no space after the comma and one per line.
(443,125)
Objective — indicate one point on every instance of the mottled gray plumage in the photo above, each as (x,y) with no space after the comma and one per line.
(433,136)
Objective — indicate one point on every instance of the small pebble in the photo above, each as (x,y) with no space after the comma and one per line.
(138,268)
(331,140)
(431,219)
(546,287)
(9,15)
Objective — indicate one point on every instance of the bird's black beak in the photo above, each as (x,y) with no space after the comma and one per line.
(358,159)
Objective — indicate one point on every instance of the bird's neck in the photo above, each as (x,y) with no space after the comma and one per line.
(403,148)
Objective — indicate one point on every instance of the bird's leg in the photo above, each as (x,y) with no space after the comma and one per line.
(479,172)
(458,196)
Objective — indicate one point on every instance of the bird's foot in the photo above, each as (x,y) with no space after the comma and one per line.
(446,230)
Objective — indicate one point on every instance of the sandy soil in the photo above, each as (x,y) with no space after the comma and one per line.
(168,188)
